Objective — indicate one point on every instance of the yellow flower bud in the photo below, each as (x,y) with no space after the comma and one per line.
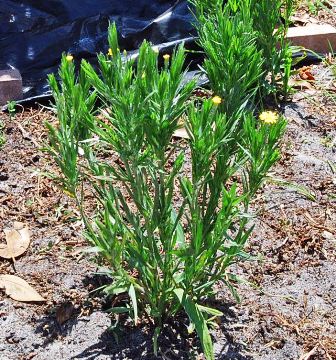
(69,58)
(110,52)
(166,57)
(217,100)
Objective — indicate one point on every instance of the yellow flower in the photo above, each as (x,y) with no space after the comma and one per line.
(110,52)
(125,53)
(216,100)
(166,57)
(269,117)
(69,58)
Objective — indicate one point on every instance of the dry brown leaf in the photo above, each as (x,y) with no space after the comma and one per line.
(300,84)
(64,312)
(300,20)
(18,289)
(305,73)
(17,239)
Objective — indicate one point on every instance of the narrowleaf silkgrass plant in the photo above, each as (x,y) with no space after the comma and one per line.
(233,63)
(245,47)
(271,20)
(74,106)
(168,236)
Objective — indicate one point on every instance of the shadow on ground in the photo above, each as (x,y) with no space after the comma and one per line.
(92,337)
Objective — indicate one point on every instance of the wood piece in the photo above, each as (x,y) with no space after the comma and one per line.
(319,38)
(10,86)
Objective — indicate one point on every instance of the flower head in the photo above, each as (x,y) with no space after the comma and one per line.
(217,100)
(269,117)
(69,57)
(166,57)
(110,52)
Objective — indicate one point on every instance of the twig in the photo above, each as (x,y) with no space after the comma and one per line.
(326,352)
(26,135)
(306,356)
(314,224)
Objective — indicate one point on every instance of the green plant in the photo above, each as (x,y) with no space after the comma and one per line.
(330,61)
(166,234)
(314,6)
(233,63)
(245,46)
(2,136)
(74,107)
(11,107)
(333,70)
(271,20)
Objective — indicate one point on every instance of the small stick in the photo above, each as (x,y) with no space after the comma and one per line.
(307,356)
(26,135)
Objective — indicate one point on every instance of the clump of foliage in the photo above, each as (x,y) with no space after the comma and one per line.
(271,20)
(74,106)
(245,41)
(11,108)
(167,235)
(2,136)
(233,63)
(314,6)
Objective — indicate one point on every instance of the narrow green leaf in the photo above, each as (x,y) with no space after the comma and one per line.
(198,319)
(119,310)
(209,311)
(300,189)
(179,228)
(155,339)
(132,294)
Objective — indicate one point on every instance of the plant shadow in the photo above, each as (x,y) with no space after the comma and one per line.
(137,344)
(64,316)
(126,340)
(174,342)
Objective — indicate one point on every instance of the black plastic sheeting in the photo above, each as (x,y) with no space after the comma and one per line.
(34,33)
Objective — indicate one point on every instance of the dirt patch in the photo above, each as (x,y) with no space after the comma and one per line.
(316,12)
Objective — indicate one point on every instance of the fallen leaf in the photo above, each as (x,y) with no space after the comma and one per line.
(17,241)
(18,289)
(300,20)
(305,73)
(201,93)
(64,312)
(300,95)
(300,84)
